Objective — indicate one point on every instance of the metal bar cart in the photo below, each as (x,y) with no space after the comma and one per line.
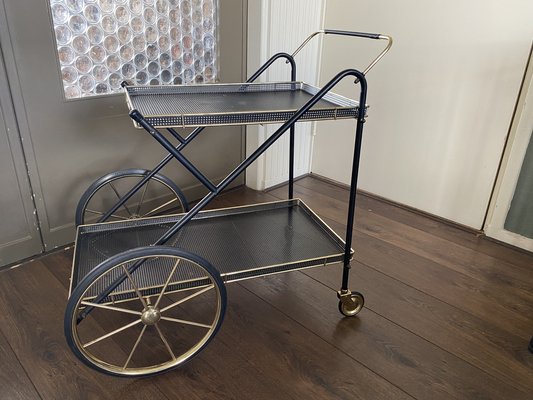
(148,285)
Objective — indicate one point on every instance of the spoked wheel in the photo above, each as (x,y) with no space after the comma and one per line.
(166,306)
(158,196)
(351,304)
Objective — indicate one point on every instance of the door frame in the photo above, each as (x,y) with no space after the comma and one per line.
(513,157)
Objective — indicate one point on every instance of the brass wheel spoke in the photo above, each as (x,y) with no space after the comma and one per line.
(101,213)
(120,197)
(166,283)
(112,308)
(111,333)
(134,286)
(142,197)
(177,303)
(165,342)
(134,347)
(159,208)
(182,321)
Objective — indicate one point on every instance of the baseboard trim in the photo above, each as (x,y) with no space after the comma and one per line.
(402,206)
(281,184)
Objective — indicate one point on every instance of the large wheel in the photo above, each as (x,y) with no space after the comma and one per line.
(158,196)
(167,306)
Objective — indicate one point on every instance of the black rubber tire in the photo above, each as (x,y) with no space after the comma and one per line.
(133,172)
(120,258)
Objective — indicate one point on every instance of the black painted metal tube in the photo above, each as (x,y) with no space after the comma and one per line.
(265,66)
(269,62)
(178,137)
(291,162)
(275,136)
(351,205)
(137,116)
(148,176)
(349,33)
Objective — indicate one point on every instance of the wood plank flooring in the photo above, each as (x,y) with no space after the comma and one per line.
(448,315)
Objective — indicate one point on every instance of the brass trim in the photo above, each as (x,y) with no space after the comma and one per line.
(323,265)
(370,66)
(330,229)
(344,103)
(200,212)
(73,263)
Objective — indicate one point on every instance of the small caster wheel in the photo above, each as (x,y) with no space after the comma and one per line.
(351,303)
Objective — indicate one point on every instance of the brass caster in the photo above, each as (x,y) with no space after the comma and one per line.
(350,303)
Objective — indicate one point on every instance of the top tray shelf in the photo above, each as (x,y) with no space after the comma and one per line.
(233,104)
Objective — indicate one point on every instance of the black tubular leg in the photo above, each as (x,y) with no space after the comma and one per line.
(290,60)
(353,188)
(291,163)
(291,143)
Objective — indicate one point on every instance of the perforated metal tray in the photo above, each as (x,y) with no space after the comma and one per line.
(233,104)
(240,242)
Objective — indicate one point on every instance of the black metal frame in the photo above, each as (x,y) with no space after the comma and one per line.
(185,141)
(289,124)
(214,190)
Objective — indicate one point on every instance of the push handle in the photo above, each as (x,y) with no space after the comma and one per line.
(355,34)
(349,33)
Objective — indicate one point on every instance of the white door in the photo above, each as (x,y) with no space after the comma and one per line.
(510,216)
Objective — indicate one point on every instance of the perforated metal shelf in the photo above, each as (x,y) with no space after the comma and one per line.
(233,104)
(240,242)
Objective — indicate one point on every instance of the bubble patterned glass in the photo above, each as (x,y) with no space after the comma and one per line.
(101,43)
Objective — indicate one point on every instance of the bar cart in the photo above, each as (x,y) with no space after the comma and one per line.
(148,287)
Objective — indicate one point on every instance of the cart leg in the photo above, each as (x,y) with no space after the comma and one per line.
(291,163)
(350,303)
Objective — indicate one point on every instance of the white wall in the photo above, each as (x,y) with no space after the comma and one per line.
(281,26)
(440,102)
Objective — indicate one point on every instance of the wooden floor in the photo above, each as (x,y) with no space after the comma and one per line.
(448,315)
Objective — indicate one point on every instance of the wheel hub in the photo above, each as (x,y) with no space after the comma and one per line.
(150,315)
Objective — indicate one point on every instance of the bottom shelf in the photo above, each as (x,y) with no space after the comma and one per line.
(240,242)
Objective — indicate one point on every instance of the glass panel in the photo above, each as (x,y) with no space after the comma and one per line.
(520,217)
(100,43)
